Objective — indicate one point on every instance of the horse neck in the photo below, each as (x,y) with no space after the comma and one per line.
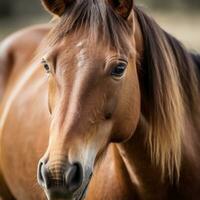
(137,161)
(144,174)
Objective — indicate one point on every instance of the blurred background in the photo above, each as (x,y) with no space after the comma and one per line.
(179,17)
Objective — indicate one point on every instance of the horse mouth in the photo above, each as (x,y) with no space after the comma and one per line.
(84,191)
(83,194)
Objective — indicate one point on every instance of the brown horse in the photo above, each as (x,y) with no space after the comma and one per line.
(119,107)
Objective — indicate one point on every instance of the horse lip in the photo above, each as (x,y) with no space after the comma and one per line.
(76,197)
(83,194)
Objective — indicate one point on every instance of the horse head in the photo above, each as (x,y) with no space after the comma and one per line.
(94,96)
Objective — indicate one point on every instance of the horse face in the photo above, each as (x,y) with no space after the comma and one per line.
(94,100)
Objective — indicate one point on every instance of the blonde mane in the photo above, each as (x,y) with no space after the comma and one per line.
(169,87)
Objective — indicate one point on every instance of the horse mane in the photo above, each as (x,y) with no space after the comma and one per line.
(196,59)
(169,86)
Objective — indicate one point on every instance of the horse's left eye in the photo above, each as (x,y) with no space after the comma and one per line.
(118,71)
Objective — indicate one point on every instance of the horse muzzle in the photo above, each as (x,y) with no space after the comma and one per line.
(63,182)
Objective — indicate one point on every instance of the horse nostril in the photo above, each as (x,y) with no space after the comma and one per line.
(43,175)
(74,177)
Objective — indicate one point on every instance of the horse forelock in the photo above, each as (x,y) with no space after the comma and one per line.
(95,21)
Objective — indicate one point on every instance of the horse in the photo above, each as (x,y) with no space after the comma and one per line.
(106,109)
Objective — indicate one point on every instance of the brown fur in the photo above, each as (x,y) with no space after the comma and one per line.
(138,154)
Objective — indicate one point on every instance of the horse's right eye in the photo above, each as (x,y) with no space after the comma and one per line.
(46,66)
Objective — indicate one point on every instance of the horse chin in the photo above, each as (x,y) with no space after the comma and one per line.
(58,196)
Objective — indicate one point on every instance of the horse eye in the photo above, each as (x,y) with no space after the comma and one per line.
(119,70)
(47,68)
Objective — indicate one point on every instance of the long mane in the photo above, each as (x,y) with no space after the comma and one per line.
(169,86)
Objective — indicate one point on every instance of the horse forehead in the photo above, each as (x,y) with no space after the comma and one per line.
(80,44)
(86,54)
(81,57)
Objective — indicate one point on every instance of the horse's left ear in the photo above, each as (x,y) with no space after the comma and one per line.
(122,7)
(56,7)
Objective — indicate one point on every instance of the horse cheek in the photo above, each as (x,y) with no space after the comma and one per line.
(52,90)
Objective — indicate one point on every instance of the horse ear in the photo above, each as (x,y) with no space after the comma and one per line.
(56,7)
(122,7)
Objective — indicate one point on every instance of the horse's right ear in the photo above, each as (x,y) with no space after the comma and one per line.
(56,7)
